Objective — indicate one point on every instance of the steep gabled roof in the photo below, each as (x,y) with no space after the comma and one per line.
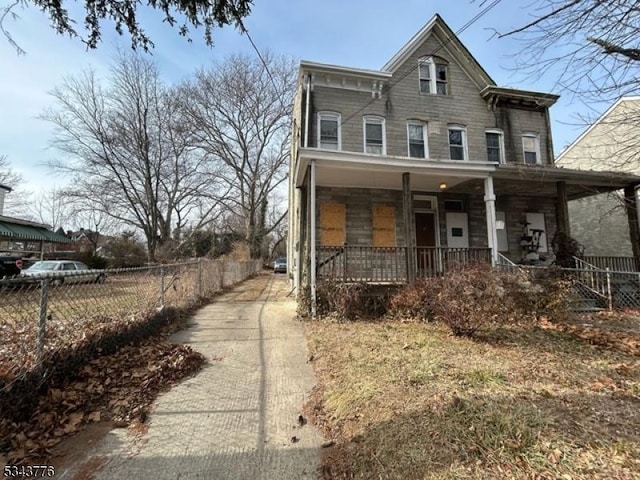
(438,27)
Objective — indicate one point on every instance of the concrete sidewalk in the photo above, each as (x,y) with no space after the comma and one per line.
(237,417)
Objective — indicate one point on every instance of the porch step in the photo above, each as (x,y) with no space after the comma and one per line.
(584,305)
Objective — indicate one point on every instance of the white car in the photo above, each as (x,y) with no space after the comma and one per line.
(64,271)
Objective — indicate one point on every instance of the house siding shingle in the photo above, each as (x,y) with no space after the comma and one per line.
(403,102)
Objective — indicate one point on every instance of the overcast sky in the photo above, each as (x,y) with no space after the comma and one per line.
(355,33)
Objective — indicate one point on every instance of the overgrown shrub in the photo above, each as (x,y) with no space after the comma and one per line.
(347,301)
(565,248)
(550,294)
(415,300)
(93,261)
(470,297)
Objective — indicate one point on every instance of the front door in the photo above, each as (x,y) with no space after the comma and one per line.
(426,237)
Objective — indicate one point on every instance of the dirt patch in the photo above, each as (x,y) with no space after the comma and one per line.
(410,401)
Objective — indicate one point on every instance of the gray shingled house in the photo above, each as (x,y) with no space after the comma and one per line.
(398,172)
(612,142)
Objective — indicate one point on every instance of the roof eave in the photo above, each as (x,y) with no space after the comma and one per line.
(538,98)
(306,65)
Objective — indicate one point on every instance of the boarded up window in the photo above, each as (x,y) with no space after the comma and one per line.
(332,224)
(384,226)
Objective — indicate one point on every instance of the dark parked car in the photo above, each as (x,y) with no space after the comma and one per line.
(11,265)
(280,265)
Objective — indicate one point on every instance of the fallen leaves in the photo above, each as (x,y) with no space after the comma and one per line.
(627,341)
(119,387)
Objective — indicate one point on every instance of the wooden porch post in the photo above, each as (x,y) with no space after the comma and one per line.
(297,236)
(631,204)
(490,207)
(312,216)
(562,208)
(410,240)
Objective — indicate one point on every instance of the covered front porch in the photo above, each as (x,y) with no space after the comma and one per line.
(392,220)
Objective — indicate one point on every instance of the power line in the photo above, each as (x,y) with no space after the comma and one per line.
(264,64)
(477,17)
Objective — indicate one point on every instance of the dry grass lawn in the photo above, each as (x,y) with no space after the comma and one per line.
(409,401)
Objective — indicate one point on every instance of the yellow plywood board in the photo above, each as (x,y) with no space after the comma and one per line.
(384,226)
(332,224)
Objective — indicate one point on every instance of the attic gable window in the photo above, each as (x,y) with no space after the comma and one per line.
(432,75)
(329,131)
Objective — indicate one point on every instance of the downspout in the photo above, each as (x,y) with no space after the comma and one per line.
(547,119)
(306,112)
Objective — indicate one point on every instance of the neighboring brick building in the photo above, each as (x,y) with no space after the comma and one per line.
(424,161)
(600,222)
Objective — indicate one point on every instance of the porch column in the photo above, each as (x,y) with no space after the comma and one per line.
(312,216)
(490,207)
(409,238)
(631,205)
(562,208)
(297,237)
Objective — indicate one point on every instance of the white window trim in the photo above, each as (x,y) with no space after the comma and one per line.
(500,134)
(334,116)
(433,82)
(425,138)
(465,146)
(374,119)
(536,138)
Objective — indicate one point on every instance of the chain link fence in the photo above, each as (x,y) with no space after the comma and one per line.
(51,324)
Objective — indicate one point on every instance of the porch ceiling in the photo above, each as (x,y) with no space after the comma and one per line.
(541,180)
(348,169)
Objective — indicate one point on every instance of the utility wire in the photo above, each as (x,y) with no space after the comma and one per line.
(244,30)
(477,17)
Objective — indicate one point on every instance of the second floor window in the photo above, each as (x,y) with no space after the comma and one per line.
(457,143)
(432,75)
(374,135)
(495,146)
(329,131)
(417,139)
(531,148)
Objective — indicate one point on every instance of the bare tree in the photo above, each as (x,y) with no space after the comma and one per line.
(8,177)
(590,47)
(241,110)
(129,151)
(17,199)
(50,207)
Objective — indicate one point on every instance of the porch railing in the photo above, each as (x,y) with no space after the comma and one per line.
(591,277)
(352,263)
(615,263)
(435,260)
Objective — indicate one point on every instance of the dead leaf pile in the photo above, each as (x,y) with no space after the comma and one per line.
(119,387)
(627,341)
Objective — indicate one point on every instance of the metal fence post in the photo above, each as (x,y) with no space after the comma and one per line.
(42,326)
(609,294)
(199,277)
(162,287)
